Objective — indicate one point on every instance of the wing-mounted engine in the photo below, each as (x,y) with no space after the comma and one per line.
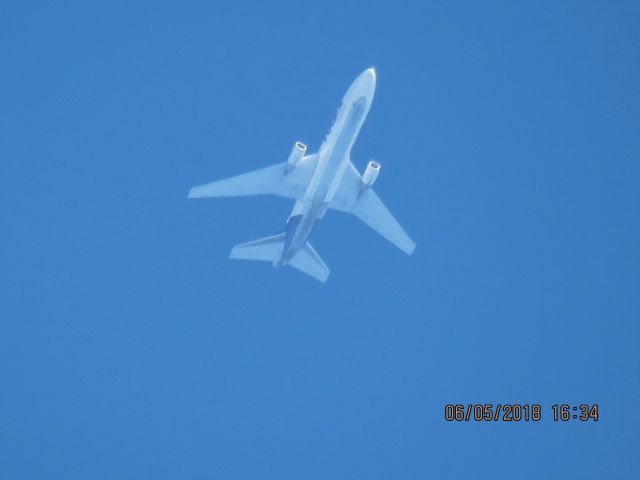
(370,174)
(297,152)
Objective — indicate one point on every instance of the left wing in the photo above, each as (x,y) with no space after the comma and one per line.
(268,181)
(365,204)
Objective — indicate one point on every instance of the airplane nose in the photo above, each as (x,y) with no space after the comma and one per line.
(369,78)
(363,85)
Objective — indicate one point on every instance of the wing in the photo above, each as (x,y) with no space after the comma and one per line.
(366,205)
(267,181)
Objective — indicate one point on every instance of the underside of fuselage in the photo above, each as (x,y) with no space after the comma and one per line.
(329,171)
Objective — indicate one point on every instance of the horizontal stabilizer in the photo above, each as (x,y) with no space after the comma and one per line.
(269,249)
(266,249)
(308,261)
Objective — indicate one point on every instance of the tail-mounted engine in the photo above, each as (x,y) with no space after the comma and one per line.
(370,174)
(297,152)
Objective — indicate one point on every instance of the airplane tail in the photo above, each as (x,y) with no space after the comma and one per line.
(308,261)
(269,249)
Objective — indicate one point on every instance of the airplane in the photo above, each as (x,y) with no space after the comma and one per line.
(317,182)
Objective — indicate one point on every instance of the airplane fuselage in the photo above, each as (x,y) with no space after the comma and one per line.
(333,158)
(317,182)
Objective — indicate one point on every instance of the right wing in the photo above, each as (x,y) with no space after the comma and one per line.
(268,181)
(365,204)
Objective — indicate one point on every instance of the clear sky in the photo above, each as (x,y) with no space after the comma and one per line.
(130,347)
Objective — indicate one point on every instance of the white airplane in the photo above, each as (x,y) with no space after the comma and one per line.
(316,182)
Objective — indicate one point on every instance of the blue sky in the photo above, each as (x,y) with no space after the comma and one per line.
(130,347)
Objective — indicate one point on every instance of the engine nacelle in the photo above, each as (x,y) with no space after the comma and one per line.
(370,174)
(297,152)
